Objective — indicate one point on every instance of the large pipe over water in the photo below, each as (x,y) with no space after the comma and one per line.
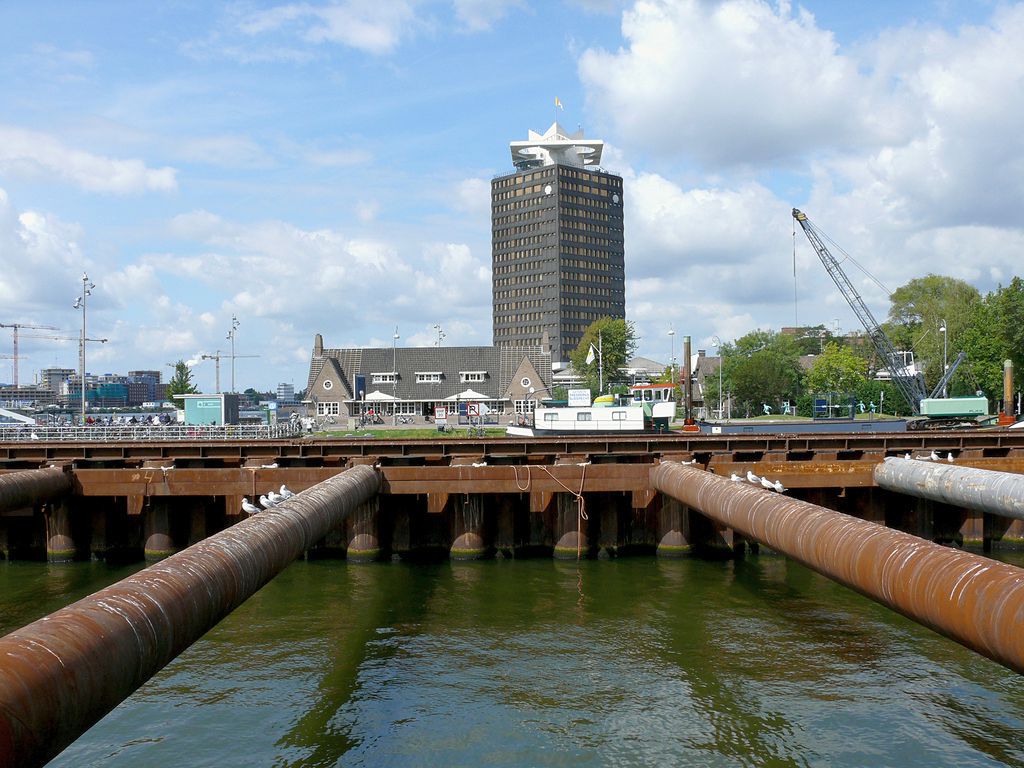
(61,674)
(1000,493)
(29,487)
(976,601)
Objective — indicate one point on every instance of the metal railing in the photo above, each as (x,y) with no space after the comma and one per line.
(141,432)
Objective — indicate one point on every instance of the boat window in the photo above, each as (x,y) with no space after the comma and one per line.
(550,417)
(619,415)
(648,395)
(584,416)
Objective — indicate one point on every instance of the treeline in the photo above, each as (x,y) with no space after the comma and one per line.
(935,317)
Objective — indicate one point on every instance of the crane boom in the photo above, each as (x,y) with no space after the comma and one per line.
(14,328)
(911,387)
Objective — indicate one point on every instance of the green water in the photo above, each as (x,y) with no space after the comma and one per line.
(538,663)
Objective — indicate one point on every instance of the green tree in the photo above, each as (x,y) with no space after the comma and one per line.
(917,312)
(762,367)
(1010,303)
(838,369)
(617,341)
(181,383)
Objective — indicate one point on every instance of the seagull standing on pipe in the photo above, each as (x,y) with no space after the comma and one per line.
(248,507)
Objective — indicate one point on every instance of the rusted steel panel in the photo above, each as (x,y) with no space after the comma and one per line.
(61,674)
(1000,493)
(976,601)
(32,486)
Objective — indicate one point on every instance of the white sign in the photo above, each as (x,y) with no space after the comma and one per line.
(440,414)
(472,409)
(579,398)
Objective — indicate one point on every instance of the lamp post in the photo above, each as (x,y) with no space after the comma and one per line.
(718,343)
(394,378)
(672,336)
(231,338)
(440,334)
(80,304)
(945,337)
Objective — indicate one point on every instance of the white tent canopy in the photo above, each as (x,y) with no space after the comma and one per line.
(377,396)
(469,394)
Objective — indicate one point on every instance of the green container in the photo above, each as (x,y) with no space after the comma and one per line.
(954,406)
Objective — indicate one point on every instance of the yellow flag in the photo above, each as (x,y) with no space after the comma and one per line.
(558,103)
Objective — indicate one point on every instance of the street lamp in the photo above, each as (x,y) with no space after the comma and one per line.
(80,304)
(394,378)
(440,334)
(672,336)
(718,343)
(945,338)
(231,338)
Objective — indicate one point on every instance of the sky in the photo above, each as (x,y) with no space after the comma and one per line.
(324,167)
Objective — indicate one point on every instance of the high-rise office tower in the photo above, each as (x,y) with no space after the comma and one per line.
(557,255)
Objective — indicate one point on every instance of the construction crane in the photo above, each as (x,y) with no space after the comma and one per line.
(14,329)
(216,356)
(910,385)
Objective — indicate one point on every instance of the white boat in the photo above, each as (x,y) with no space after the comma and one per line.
(647,408)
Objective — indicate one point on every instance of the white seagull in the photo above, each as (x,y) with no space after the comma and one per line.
(267,503)
(907,456)
(934,456)
(753,478)
(949,457)
(766,483)
(286,492)
(736,478)
(779,487)
(274,498)
(269,466)
(248,507)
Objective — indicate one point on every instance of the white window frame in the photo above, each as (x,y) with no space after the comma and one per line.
(468,377)
(428,377)
(328,409)
(384,377)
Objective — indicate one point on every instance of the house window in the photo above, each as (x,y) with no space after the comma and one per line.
(383,378)
(428,377)
(525,406)
(328,384)
(328,409)
(469,376)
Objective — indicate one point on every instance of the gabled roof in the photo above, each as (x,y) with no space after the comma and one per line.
(499,363)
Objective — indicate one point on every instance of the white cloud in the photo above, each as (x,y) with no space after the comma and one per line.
(480,15)
(39,255)
(366,25)
(42,155)
(473,196)
(748,83)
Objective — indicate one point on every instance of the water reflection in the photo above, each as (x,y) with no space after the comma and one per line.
(682,662)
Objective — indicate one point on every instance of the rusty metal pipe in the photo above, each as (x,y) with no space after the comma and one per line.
(28,487)
(999,493)
(61,674)
(976,601)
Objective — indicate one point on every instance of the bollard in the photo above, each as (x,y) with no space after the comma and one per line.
(61,674)
(976,601)
(999,493)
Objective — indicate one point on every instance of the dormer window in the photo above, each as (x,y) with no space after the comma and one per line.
(467,377)
(384,378)
(428,377)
